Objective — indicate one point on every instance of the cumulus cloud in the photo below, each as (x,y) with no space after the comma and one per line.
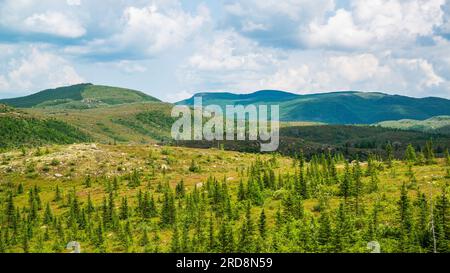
(231,52)
(377,23)
(397,46)
(146,31)
(36,69)
(44,17)
(54,23)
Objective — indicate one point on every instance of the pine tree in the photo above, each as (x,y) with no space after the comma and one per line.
(442,221)
(57,194)
(211,235)
(10,211)
(324,235)
(99,239)
(226,237)
(48,216)
(358,188)
(346,183)
(180,190)
(90,206)
(389,155)
(87,181)
(423,229)
(343,230)
(175,242)
(262,226)
(410,154)
(405,220)
(185,242)
(20,189)
(144,239)
(241,191)
(247,236)
(429,152)
(115,184)
(374,181)
(124,213)
(168,211)
(372,232)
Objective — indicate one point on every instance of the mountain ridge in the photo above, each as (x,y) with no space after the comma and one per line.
(79,96)
(342,107)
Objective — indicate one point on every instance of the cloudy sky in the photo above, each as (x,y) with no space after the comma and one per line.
(172,49)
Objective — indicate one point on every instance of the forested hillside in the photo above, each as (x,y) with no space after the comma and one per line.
(80,96)
(335,107)
(19,129)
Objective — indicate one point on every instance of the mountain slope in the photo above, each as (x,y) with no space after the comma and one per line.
(439,124)
(18,128)
(80,96)
(337,107)
(138,122)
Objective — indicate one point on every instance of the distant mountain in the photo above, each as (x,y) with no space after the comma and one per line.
(439,124)
(336,108)
(80,96)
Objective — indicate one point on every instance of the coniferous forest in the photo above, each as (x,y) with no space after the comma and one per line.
(125,198)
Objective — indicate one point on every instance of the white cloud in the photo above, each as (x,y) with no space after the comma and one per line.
(422,67)
(375,23)
(231,52)
(74,2)
(54,23)
(364,72)
(294,9)
(147,31)
(339,31)
(357,68)
(37,69)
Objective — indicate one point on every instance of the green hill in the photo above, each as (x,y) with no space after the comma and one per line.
(21,129)
(80,96)
(439,124)
(337,107)
(138,122)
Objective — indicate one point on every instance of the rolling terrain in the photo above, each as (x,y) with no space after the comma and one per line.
(98,167)
(80,96)
(438,124)
(337,107)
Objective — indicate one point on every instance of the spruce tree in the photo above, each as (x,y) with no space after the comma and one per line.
(262,226)
(389,155)
(48,216)
(405,220)
(346,183)
(410,154)
(247,235)
(124,213)
(58,196)
(429,153)
(241,191)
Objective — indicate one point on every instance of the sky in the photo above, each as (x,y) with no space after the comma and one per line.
(172,49)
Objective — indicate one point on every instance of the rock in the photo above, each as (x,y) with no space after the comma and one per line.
(58,175)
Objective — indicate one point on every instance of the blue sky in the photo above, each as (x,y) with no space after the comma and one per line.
(172,49)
